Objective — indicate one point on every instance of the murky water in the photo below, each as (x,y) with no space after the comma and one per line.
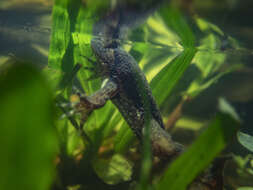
(25,28)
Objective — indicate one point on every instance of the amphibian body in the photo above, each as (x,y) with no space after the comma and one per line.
(125,85)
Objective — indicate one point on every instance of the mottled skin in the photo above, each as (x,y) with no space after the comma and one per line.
(125,85)
(123,70)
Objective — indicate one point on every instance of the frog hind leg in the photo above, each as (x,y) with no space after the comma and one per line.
(96,100)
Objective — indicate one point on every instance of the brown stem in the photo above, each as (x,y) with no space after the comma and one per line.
(175,115)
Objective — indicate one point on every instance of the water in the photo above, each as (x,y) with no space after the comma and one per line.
(25,29)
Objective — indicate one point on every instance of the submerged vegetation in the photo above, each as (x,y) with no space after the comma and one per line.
(44,147)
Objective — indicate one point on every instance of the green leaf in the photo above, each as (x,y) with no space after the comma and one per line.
(246,140)
(184,169)
(28,141)
(114,170)
(199,85)
(243,163)
(70,41)
(207,26)
(176,21)
(60,37)
(168,77)
(208,59)
(124,139)
(225,107)
(70,38)
(245,188)
(154,33)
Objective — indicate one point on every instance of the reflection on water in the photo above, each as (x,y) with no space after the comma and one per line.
(25,30)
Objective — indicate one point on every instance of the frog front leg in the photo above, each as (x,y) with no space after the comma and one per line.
(97,100)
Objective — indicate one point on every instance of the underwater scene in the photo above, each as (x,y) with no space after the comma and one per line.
(126,94)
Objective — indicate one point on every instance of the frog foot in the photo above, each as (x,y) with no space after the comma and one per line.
(98,69)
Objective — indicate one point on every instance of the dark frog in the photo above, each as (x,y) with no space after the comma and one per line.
(125,84)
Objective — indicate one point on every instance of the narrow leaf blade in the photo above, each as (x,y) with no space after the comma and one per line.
(168,77)
(182,172)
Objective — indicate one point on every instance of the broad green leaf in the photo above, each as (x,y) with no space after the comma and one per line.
(71,35)
(159,33)
(155,58)
(53,75)
(244,163)
(158,46)
(176,22)
(199,85)
(81,39)
(124,139)
(226,107)
(28,142)
(155,32)
(168,77)
(207,26)
(246,140)
(114,122)
(61,63)
(70,18)
(60,37)
(208,59)
(184,169)
(114,170)
(245,188)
